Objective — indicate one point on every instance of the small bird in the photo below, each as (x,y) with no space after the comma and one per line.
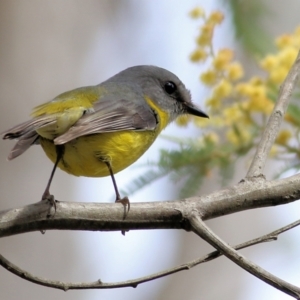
(97,131)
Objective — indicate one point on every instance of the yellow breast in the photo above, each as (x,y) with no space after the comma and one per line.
(84,156)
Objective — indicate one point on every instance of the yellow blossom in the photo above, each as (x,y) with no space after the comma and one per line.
(223,89)
(183,120)
(287,56)
(289,40)
(204,39)
(235,71)
(197,12)
(256,81)
(198,55)
(223,57)
(278,75)
(238,137)
(260,103)
(278,65)
(209,77)
(269,62)
(283,137)
(256,92)
(216,17)
(232,114)
(212,137)
(213,102)
(244,105)
(289,118)
(244,89)
(283,41)
(255,89)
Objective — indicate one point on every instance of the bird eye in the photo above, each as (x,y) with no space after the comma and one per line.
(170,87)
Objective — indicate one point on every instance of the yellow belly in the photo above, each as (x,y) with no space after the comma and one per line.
(84,156)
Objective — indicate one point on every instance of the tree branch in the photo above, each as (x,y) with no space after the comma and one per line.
(247,194)
(274,123)
(208,235)
(135,282)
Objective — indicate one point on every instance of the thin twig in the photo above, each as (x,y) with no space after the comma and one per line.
(273,126)
(135,282)
(200,228)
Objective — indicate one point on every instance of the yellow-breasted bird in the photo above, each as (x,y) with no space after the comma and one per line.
(97,131)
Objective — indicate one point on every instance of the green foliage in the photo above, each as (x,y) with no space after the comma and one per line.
(248,17)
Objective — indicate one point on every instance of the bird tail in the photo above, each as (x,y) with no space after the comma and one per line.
(26,135)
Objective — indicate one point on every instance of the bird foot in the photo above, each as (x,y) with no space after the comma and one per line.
(51,200)
(126,203)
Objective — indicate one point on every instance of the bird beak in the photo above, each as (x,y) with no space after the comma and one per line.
(191,109)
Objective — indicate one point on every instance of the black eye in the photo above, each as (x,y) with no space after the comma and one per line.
(170,87)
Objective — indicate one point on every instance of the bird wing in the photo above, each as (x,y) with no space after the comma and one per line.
(111,115)
(106,115)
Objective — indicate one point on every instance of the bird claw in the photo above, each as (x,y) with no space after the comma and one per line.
(51,200)
(126,203)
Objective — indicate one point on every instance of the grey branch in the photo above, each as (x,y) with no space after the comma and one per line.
(248,194)
(204,232)
(135,282)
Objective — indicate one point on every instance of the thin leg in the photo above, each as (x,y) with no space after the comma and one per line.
(46,195)
(125,200)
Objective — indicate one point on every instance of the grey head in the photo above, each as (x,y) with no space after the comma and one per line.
(163,87)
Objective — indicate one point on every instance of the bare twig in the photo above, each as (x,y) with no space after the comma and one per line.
(273,126)
(135,282)
(200,228)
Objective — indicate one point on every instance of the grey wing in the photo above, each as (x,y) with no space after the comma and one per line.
(109,115)
(26,134)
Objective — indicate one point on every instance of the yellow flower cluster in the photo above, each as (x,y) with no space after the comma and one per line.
(254,93)
(283,137)
(204,38)
(239,108)
(277,65)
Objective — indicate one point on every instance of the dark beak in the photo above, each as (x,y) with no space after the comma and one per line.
(191,109)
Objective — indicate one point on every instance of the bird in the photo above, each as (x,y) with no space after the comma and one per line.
(97,131)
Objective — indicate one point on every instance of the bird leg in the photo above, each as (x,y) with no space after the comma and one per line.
(124,201)
(46,195)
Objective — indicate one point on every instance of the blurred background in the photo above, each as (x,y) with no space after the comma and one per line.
(48,47)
